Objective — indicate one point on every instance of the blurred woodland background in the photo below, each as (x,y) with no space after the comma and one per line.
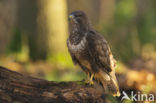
(33,37)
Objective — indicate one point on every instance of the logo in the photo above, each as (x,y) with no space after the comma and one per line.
(137,97)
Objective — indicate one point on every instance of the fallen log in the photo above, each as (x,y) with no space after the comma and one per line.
(18,88)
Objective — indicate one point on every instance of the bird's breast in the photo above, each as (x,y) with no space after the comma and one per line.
(80,52)
(78,48)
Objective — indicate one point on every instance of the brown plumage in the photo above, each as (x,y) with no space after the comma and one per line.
(92,53)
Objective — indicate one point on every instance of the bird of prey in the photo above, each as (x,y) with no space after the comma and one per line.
(92,53)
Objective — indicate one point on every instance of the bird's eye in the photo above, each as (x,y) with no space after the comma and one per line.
(78,15)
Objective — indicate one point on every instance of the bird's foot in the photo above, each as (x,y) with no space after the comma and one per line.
(90,80)
(91,83)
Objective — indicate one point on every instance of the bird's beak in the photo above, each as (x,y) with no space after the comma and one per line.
(71,16)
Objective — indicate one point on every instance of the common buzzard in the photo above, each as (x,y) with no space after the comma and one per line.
(92,53)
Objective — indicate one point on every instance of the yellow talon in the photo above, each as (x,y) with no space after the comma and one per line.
(90,79)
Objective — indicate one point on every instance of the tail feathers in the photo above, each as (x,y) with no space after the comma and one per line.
(108,82)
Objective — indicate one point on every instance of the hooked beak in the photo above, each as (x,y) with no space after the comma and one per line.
(71,16)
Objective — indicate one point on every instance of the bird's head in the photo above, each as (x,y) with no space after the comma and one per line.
(78,18)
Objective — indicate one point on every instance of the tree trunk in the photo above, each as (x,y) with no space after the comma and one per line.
(55,12)
(31,22)
(8,10)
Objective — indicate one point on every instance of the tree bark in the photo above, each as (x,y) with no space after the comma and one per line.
(18,88)
(32,24)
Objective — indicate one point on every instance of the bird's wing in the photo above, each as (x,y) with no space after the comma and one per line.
(100,52)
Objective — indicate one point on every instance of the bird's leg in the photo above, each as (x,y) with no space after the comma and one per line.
(87,81)
(90,79)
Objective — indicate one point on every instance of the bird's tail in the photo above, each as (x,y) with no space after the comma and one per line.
(108,82)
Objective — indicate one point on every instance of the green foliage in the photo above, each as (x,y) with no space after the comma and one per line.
(112,99)
(61,59)
(125,11)
(133,28)
(127,101)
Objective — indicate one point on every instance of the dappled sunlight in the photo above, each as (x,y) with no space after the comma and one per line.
(62,60)
(56,13)
(149,51)
(49,70)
